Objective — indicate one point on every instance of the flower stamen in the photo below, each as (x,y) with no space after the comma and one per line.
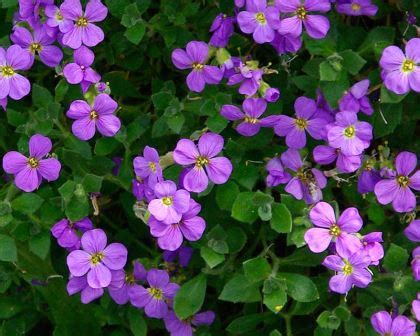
(301,123)
(167,200)
(7,71)
(81,22)
(301,13)
(408,66)
(33,162)
(260,17)
(350,132)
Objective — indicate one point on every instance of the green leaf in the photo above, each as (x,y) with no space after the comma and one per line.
(190,297)
(390,97)
(236,239)
(352,61)
(243,209)
(8,3)
(276,299)
(281,220)
(226,195)
(105,146)
(27,203)
(135,33)
(211,257)
(40,244)
(240,289)
(327,72)
(377,39)
(328,320)
(92,183)
(246,323)
(8,251)
(387,122)
(138,325)
(300,287)
(395,258)
(41,97)
(256,269)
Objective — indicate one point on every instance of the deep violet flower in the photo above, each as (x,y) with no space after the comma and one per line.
(250,123)
(368,178)
(202,162)
(412,231)
(142,190)
(38,43)
(170,203)
(148,167)
(355,99)
(155,298)
(249,75)
(357,8)
(329,229)
(401,72)
(32,11)
(398,189)
(286,43)
(270,94)
(177,327)
(222,29)
(80,72)
(195,57)
(415,305)
(190,227)
(385,325)
(13,84)
(351,270)
(100,116)
(83,31)
(66,231)
(260,20)
(29,172)
(415,264)
(317,26)
(276,173)
(373,247)
(87,293)
(325,155)
(183,254)
(96,259)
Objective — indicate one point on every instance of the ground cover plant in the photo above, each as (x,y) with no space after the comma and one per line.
(244,167)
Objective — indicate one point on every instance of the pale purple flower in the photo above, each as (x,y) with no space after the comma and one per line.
(276,173)
(386,325)
(202,162)
(170,203)
(415,264)
(412,231)
(190,227)
(156,297)
(401,72)
(222,29)
(259,20)
(87,293)
(148,167)
(349,134)
(195,57)
(96,259)
(355,99)
(250,123)
(66,232)
(55,19)
(351,270)
(286,43)
(80,72)
(398,189)
(13,84)
(184,254)
(177,327)
(330,229)
(37,43)
(83,31)
(249,75)
(373,247)
(357,8)
(306,183)
(317,26)
(29,172)
(99,116)
(325,155)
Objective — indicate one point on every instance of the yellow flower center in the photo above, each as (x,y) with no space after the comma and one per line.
(403,181)
(81,22)
(347,268)
(260,17)
(301,123)
(201,161)
(251,120)
(197,66)
(350,132)
(35,47)
(152,167)
(33,162)
(156,293)
(356,7)
(335,230)
(96,258)
(93,115)
(301,13)
(167,200)
(7,71)
(129,278)
(408,65)
(59,16)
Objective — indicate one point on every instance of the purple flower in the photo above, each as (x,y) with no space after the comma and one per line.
(412,231)
(357,7)
(253,109)
(184,254)
(83,30)
(55,19)
(259,20)
(222,29)
(398,189)
(325,155)
(38,43)
(31,8)
(276,173)
(385,325)
(170,203)
(250,77)
(96,259)
(416,307)
(80,284)
(355,99)
(306,183)
(13,84)
(178,327)
(239,3)
(100,116)
(285,43)
(195,57)
(349,134)
(271,95)
(142,190)
(317,26)
(65,232)
(202,163)
(350,271)
(367,178)
(147,166)
(323,109)
(400,71)
(80,72)
(29,172)
(415,264)
(329,229)
(190,227)
(373,247)
(155,298)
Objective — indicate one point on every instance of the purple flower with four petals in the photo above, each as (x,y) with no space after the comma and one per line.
(222,29)
(148,167)
(66,231)
(357,8)
(385,325)
(325,155)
